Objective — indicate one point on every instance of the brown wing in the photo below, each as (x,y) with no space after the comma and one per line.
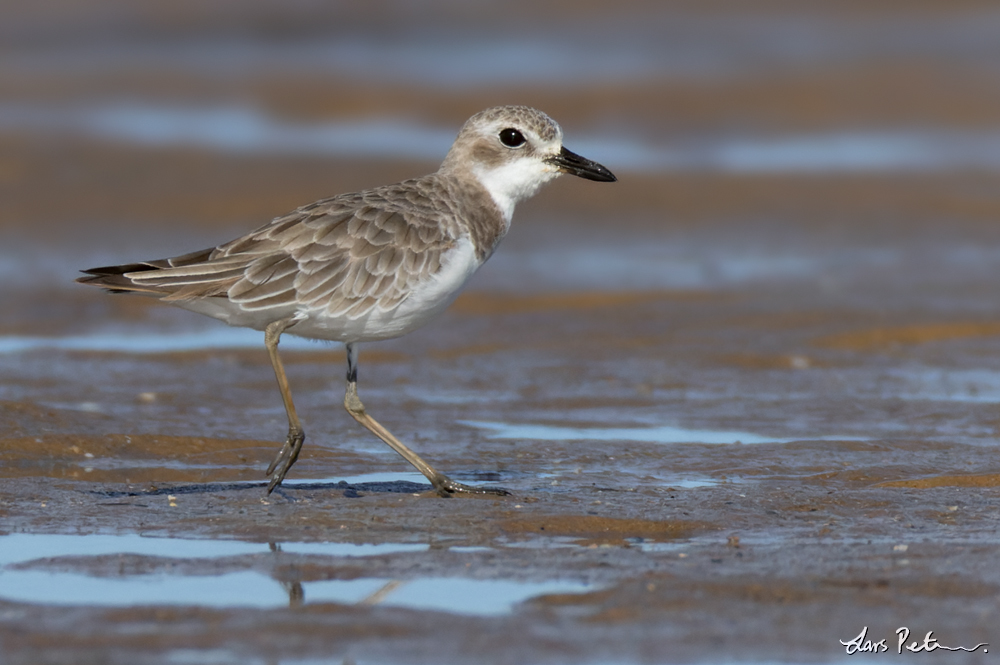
(346,254)
(120,278)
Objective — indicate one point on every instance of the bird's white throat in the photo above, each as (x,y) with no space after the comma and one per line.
(514,181)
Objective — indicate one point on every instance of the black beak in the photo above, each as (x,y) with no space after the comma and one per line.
(574,164)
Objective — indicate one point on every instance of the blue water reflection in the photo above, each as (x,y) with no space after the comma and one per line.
(244,129)
(650,434)
(21,581)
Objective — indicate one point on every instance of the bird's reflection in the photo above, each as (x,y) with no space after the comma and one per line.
(382,593)
(297,595)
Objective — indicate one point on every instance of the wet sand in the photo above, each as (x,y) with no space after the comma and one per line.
(744,411)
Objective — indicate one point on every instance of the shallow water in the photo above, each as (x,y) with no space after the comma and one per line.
(216,337)
(657,434)
(936,384)
(253,590)
(239,129)
(19,582)
(244,129)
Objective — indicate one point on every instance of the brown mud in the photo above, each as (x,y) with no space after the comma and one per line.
(742,415)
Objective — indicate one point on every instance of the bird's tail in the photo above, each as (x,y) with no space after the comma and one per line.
(161,278)
(117,279)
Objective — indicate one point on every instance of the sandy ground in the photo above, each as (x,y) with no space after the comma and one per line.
(743,415)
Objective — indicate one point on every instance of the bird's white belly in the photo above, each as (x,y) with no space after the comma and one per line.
(429,299)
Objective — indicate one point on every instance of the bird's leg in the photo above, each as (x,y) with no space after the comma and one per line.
(293,444)
(444,485)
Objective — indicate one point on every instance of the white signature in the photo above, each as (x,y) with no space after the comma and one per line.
(861,643)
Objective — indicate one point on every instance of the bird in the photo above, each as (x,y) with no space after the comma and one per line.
(368,265)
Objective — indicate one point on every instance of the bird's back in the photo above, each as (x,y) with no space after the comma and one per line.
(339,259)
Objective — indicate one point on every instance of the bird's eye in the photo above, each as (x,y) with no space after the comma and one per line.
(511,138)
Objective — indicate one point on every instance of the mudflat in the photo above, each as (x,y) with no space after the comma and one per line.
(745,399)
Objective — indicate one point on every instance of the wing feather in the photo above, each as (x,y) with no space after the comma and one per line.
(346,255)
(324,280)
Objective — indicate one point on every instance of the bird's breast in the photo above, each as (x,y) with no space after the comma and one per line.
(427,299)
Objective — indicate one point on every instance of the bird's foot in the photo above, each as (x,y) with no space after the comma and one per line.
(446,487)
(285,458)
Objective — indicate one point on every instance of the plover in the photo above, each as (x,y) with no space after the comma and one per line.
(368,265)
